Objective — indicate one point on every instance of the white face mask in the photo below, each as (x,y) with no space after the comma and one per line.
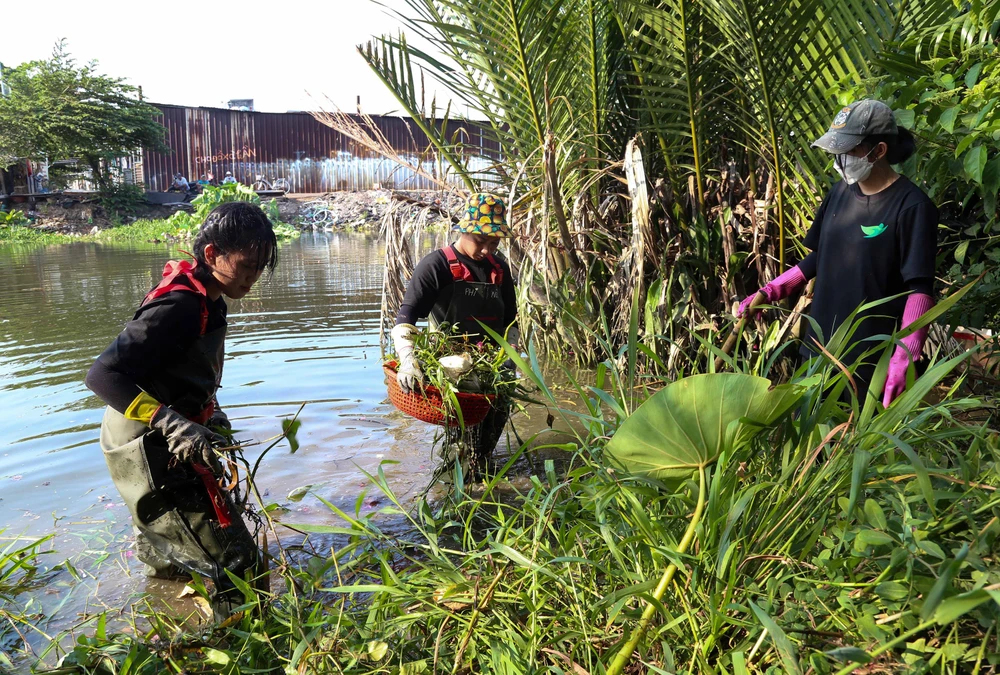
(853,169)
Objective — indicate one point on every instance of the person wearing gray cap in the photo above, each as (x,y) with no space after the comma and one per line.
(873,237)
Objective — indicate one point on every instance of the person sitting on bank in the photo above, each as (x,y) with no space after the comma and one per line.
(159,379)
(228,179)
(461,285)
(180,184)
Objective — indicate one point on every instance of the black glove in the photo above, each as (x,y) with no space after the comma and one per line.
(187,440)
(219,419)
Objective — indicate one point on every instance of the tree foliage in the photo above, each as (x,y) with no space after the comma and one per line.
(59,109)
(726,97)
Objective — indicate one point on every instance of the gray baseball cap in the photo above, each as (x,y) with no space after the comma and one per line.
(852,124)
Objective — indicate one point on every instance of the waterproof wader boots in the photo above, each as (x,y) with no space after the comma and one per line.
(171,510)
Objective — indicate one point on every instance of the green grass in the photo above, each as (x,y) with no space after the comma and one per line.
(22,234)
(139,231)
(20,575)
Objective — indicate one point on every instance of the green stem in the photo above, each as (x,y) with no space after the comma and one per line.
(690,78)
(625,654)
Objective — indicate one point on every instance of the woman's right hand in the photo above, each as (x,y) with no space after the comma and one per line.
(747,301)
(409,376)
(779,289)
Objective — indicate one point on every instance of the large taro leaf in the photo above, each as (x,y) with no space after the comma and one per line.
(690,422)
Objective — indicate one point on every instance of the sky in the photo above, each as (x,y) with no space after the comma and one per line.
(284,55)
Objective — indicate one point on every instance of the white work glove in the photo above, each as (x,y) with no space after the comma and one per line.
(408,374)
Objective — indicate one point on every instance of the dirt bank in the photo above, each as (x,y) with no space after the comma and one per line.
(346,210)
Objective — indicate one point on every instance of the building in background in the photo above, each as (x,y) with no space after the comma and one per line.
(311,156)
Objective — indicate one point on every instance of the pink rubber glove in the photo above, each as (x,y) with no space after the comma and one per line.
(779,289)
(895,382)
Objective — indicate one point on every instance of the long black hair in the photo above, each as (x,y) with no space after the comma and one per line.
(238,226)
(901,145)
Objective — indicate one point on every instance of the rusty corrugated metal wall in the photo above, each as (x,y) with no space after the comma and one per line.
(311,156)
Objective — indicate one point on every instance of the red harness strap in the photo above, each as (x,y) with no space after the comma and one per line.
(178,275)
(459,272)
(173,271)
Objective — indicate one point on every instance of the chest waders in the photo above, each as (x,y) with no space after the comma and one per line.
(179,524)
(465,303)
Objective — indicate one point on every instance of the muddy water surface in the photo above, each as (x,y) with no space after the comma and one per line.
(309,334)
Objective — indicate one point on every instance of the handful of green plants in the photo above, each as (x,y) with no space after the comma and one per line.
(451,361)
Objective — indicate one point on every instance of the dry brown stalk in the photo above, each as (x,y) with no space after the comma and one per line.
(367,134)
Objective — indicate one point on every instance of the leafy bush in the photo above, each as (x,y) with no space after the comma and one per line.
(188,223)
(13,218)
(122,199)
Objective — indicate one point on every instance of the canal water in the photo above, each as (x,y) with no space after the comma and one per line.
(308,334)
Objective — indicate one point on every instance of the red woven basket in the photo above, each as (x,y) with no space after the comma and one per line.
(428,407)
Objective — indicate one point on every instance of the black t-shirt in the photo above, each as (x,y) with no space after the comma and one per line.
(433,274)
(162,331)
(866,248)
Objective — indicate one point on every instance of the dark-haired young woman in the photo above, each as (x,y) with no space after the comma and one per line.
(874,237)
(159,378)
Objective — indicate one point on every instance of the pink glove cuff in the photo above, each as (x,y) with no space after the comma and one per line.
(784,285)
(779,289)
(917,305)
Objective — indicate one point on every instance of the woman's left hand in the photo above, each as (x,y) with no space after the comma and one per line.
(895,381)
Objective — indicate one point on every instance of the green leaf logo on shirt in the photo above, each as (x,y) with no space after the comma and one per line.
(872,231)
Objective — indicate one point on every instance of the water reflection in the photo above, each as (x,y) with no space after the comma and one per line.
(307,334)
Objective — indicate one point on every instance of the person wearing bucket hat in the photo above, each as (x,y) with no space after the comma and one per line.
(462,284)
(874,237)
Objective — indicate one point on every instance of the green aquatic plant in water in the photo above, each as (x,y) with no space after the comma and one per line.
(20,574)
(185,223)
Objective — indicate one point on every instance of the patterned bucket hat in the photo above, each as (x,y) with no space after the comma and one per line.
(484,214)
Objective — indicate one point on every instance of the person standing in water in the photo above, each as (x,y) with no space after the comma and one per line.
(159,379)
(462,284)
(873,237)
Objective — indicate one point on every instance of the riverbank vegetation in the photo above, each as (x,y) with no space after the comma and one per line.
(182,225)
(798,530)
